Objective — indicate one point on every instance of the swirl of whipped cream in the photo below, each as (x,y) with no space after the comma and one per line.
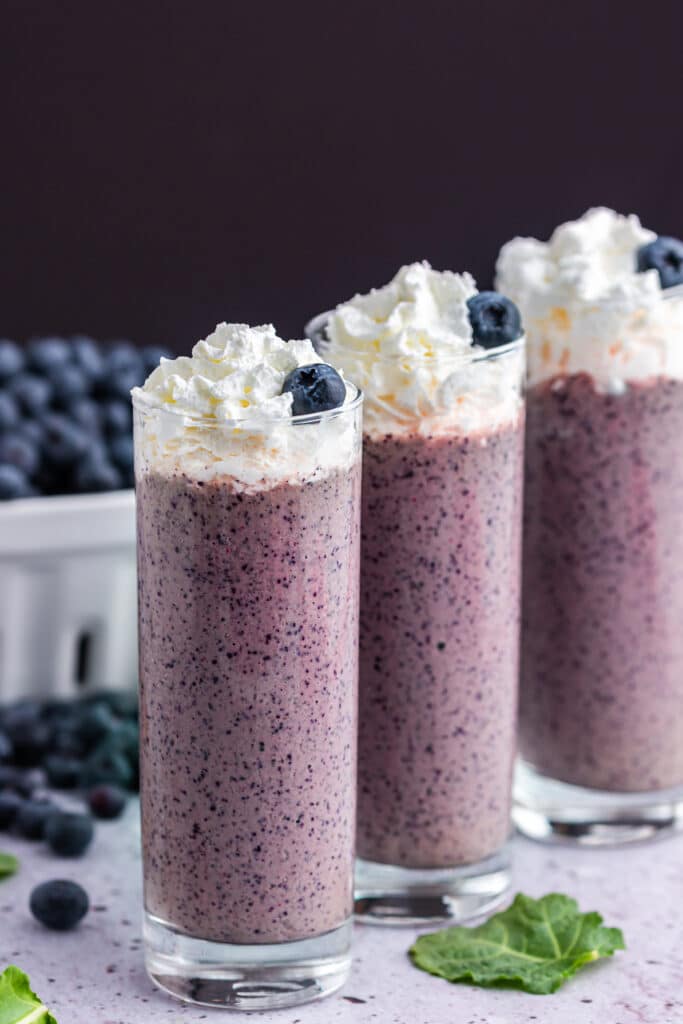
(221,413)
(586,308)
(409,347)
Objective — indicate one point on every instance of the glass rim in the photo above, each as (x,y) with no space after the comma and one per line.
(316,323)
(143,406)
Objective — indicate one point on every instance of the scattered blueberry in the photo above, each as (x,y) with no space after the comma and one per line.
(16,449)
(32,393)
(9,411)
(11,779)
(59,904)
(495,320)
(68,833)
(108,766)
(32,818)
(106,801)
(11,359)
(32,430)
(665,255)
(63,772)
(30,739)
(43,354)
(95,722)
(10,802)
(314,388)
(68,383)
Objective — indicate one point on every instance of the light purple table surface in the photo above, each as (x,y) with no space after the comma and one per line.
(95,975)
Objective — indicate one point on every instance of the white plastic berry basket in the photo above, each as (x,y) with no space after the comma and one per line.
(68,598)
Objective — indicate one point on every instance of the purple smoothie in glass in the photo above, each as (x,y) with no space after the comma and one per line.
(438,646)
(247,458)
(602,652)
(248,612)
(441,369)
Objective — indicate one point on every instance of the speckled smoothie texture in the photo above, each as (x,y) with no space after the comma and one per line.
(438,646)
(602,652)
(248,673)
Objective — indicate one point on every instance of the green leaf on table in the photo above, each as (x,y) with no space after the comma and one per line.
(534,945)
(18,1004)
(8,865)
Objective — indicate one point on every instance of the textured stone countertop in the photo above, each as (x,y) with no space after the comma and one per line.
(95,975)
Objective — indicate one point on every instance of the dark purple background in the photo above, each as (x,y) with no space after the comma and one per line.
(167,165)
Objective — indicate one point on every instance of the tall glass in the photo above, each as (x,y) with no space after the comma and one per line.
(248,620)
(601,714)
(439,634)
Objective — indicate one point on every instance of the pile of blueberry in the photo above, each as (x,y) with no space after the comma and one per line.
(88,745)
(66,416)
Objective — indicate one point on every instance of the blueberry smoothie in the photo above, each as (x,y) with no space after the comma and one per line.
(602,644)
(248,526)
(440,365)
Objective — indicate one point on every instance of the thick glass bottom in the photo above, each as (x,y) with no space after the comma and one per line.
(239,977)
(390,895)
(556,812)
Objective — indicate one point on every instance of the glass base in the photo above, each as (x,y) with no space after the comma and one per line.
(390,895)
(556,812)
(240,977)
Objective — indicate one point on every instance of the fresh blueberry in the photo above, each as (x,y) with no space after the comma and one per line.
(59,904)
(96,474)
(495,320)
(86,412)
(15,780)
(14,483)
(45,353)
(108,766)
(123,703)
(33,393)
(665,255)
(68,833)
(117,416)
(10,802)
(9,411)
(125,738)
(122,355)
(32,818)
(62,772)
(152,356)
(88,357)
(68,383)
(6,747)
(95,722)
(30,738)
(107,802)
(64,442)
(314,388)
(66,741)
(17,450)
(33,430)
(11,359)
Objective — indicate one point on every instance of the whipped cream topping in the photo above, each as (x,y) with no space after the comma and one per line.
(221,413)
(409,347)
(586,309)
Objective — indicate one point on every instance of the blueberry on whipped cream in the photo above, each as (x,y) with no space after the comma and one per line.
(314,388)
(418,349)
(228,409)
(594,299)
(495,320)
(665,255)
